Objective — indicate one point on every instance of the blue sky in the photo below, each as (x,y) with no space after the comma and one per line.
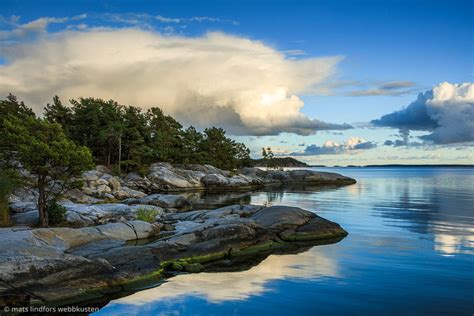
(389,52)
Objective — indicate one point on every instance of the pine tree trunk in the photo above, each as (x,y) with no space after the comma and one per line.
(128,159)
(4,212)
(43,213)
(120,154)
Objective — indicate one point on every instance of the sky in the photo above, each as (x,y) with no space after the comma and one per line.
(326,82)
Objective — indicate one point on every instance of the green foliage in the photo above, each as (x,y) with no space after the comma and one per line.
(147,214)
(58,113)
(279,162)
(51,159)
(56,214)
(127,137)
(58,148)
(268,158)
(223,152)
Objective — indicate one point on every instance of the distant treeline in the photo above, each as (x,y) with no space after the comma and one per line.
(278,162)
(129,139)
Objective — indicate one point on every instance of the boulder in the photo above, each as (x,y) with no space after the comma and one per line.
(103,189)
(134,181)
(101,181)
(166,201)
(78,196)
(23,195)
(165,175)
(133,193)
(103,169)
(281,217)
(23,207)
(91,175)
(114,183)
(93,214)
(121,195)
(216,180)
(29,218)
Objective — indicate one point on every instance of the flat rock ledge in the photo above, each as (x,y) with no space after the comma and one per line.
(100,185)
(77,265)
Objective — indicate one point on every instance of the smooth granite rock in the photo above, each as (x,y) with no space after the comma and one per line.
(166,177)
(51,264)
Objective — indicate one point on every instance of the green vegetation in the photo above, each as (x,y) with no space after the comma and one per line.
(49,153)
(147,214)
(131,139)
(279,162)
(268,158)
(56,214)
(46,158)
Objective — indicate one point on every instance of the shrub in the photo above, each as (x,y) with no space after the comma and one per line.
(147,214)
(56,214)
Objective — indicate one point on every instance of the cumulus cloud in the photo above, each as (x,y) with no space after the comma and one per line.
(218,79)
(353,144)
(447,111)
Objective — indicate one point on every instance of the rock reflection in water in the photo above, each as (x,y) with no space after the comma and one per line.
(225,286)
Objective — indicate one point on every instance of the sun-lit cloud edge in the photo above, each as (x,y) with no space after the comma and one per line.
(241,84)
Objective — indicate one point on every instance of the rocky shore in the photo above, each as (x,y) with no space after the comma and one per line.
(104,249)
(105,197)
(48,265)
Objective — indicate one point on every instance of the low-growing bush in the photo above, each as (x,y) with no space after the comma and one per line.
(56,214)
(147,214)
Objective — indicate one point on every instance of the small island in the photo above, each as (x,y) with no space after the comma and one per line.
(280,162)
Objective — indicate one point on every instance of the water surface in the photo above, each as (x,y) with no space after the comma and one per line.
(410,251)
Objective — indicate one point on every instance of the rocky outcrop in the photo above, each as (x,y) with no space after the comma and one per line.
(102,185)
(31,259)
(72,265)
(167,201)
(165,177)
(299,176)
(80,215)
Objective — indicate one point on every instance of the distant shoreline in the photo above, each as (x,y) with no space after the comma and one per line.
(399,166)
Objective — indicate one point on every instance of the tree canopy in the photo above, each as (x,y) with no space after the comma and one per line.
(49,157)
(130,139)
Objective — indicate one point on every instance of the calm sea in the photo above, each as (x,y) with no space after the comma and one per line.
(410,251)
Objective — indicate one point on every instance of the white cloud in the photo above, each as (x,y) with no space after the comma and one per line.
(392,88)
(217,79)
(34,27)
(447,111)
(330,147)
(230,286)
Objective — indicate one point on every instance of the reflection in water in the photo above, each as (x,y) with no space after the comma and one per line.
(454,240)
(410,251)
(431,206)
(218,287)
